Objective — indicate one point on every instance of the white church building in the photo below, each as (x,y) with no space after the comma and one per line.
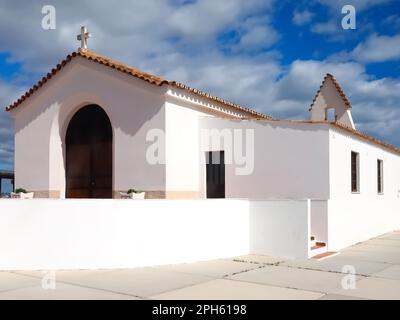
(94,127)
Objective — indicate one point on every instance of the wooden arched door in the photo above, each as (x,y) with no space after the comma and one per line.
(89,154)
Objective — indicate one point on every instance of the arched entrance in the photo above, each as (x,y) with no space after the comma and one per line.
(89,154)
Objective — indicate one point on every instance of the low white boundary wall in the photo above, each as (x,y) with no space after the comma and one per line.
(355,220)
(93,234)
(280,228)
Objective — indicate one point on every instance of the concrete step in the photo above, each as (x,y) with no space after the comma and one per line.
(318,248)
(325,255)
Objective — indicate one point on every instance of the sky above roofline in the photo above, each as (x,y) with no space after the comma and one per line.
(269,55)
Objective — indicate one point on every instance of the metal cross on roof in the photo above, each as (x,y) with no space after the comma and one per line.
(83,37)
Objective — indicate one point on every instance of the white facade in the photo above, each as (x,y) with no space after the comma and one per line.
(355,217)
(313,161)
(291,161)
(265,159)
(40,127)
(134,107)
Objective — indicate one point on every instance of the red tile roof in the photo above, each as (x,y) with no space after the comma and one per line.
(152,79)
(91,56)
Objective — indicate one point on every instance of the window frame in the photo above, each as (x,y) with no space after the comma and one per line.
(379,175)
(355,190)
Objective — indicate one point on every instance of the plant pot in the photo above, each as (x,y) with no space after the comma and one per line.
(137,196)
(22,195)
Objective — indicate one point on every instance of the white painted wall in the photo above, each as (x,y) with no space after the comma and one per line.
(79,234)
(133,106)
(291,160)
(319,220)
(330,98)
(355,217)
(285,234)
(182,152)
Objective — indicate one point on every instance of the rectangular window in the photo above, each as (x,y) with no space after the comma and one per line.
(355,172)
(380,176)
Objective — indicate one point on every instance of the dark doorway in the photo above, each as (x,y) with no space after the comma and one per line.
(89,154)
(215,171)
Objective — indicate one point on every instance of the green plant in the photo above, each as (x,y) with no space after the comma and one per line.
(134,191)
(20,190)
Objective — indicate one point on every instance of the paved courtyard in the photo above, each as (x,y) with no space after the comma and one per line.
(376,263)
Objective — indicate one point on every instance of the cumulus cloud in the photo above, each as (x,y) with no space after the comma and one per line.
(259,36)
(129,30)
(8,92)
(255,33)
(301,18)
(377,48)
(180,40)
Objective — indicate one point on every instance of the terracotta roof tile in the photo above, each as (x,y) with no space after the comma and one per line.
(158,81)
(338,88)
(367,137)
(220,100)
(89,55)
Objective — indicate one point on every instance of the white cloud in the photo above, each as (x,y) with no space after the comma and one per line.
(203,18)
(181,44)
(377,49)
(8,92)
(301,18)
(130,30)
(261,36)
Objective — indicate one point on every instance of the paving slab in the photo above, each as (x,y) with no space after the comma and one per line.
(311,280)
(392,272)
(392,236)
(11,281)
(140,282)
(384,242)
(331,296)
(374,288)
(336,264)
(62,292)
(374,248)
(392,257)
(65,275)
(221,289)
(259,259)
(214,268)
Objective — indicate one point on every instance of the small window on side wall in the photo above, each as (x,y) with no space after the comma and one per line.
(380,176)
(355,172)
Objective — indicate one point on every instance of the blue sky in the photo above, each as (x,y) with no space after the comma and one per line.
(265,54)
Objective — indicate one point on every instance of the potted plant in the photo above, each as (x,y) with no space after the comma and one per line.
(21,193)
(133,194)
